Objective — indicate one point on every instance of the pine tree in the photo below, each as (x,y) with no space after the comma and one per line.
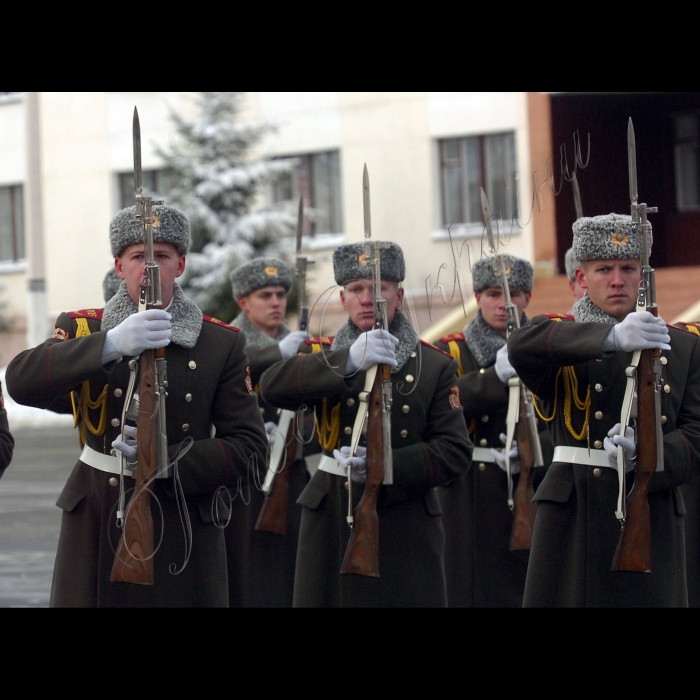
(217,183)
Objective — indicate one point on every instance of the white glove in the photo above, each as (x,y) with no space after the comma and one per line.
(358,463)
(375,347)
(626,443)
(499,456)
(639,331)
(290,344)
(271,430)
(147,330)
(504,369)
(126,444)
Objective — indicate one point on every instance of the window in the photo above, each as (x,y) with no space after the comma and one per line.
(317,179)
(467,165)
(155,182)
(11,223)
(687,161)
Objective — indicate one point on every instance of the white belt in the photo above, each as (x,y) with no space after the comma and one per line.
(105,463)
(482,454)
(581,455)
(329,464)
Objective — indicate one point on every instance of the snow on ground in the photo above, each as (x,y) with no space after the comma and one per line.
(24,417)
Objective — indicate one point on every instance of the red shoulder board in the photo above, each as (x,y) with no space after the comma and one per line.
(216,322)
(451,337)
(87,313)
(434,347)
(689,326)
(319,340)
(560,317)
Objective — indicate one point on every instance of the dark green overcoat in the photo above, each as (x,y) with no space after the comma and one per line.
(576,531)
(431,447)
(480,569)
(208,387)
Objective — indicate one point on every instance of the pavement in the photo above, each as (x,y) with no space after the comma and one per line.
(29,518)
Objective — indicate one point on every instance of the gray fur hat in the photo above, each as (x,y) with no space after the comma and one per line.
(170,225)
(607,237)
(520,274)
(350,263)
(570,263)
(260,272)
(110,284)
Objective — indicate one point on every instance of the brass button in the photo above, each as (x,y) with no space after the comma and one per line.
(404,433)
(345,486)
(192,364)
(597,444)
(405,408)
(484,419)
(482,370)
(663,419)
(185,427)
(483,442)
(596,471)
(409,378)
(598,415)
(188,397)
(664,360)
(482,467)
(112,481)
(348,430)
(667,388)
(598,387)
(413,354)
(115,422)
(351,402)
(113,452)
(118,392)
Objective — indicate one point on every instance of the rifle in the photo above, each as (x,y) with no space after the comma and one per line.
(362,553)
(134,557)
(633,552)
(521,418)
(273,514)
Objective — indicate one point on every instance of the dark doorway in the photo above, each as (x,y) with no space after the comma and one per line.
(604,182)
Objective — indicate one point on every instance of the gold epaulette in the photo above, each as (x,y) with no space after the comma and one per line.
(216,322)
(452,336)
(690,326)
(559,317)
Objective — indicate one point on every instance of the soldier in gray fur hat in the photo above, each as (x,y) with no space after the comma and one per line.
(480,569)
(576,365)
(110,284)
(260,288)
(572,264)
(209,391)
(428,436)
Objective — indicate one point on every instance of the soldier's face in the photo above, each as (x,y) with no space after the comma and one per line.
(357,298)
(131,266)
(265,308)
(612,284)
(492,303)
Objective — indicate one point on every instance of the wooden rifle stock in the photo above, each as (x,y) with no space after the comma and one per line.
(362,553)
(633,552)
(524,508)
(273,514)
(134,558)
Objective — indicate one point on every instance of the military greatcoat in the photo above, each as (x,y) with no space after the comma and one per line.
(208,387)
(270,557)
(7,443)
(480,569)
(431,447)
(576,531)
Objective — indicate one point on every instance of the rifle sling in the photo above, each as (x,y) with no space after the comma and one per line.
(511,422)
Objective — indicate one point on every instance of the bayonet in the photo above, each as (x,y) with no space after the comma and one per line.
(632,166)
(577,197)
(365,204)
(486,211)
(138,173)
(302,263)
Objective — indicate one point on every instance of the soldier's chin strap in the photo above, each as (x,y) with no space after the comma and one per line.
(511,422)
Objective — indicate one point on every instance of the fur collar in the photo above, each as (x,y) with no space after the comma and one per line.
(483,341)
(254,337)
(585,311)
(400,328)
(187,318)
